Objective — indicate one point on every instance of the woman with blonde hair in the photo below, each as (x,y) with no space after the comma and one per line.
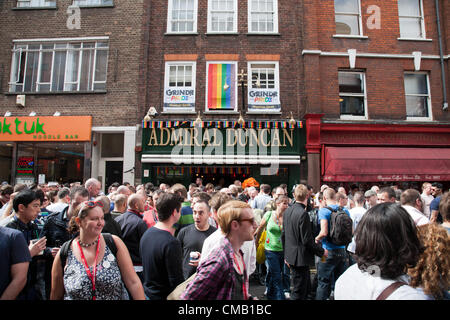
(432,271)
(89,269)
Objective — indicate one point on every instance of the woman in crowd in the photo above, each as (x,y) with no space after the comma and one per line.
(92,271)
(432,271)
(273,222)
(386,245)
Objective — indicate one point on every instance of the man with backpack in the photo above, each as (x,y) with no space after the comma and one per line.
(335,234)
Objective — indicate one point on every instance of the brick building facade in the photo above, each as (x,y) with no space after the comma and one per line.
(90,71)
(376,66)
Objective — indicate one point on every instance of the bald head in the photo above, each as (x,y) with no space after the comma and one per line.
(93,186)
(136,202)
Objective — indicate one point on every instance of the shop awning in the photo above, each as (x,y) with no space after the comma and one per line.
(369,164)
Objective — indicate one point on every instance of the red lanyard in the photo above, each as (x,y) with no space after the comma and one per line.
(86,267)
(244,281)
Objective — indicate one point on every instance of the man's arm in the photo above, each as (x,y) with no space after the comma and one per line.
(19,273)
(323,230)
(434,216)
(307,237)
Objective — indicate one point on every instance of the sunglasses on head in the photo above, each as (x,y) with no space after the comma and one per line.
(92,204)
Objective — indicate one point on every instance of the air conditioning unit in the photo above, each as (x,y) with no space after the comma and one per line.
(20,100)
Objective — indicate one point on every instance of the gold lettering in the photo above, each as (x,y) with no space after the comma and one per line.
(276,138)
(216,143)
(187,139)
(207,138)
(253,137)
(153,138)
(262,139)
(194,137)
(176,136)
(289,136)
(161,138)
(229,133)
(240,134)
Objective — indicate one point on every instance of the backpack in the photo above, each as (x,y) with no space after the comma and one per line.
(63,252)
(340,228)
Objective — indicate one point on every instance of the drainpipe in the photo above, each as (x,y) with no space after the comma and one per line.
(444,88)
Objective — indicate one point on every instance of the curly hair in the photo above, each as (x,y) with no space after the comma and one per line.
(432,271)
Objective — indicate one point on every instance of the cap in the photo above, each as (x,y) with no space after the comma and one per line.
(369,193)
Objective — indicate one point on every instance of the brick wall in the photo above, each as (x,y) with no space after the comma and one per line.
(122,23)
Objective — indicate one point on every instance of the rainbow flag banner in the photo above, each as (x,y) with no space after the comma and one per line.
(221,86)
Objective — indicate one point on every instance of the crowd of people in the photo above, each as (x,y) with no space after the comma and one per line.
(75,242)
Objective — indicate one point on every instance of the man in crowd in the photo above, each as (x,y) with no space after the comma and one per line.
(435,216)
(356,214)
(14,262)
(120,205)
(161,252)
(387,194)
(27,207)
(298,243)
(279,191)
(5,193)
(94,187)
(337,262)
(263,198)
(371,199)
(133,228)
(63,201)
(151,216)
(186,210)
(427,197)
(111,226)
(192,237)
(412,202)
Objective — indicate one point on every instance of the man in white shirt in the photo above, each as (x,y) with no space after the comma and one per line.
(412,202)
(63,201)
(426,198)
(356,214)
(262,198)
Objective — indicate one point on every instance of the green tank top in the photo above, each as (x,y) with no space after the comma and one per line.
(273,237)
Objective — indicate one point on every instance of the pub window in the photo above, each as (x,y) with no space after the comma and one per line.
(264,88)
(417,96)
(348,17)
(411,19)
(92,3)
(263,16)
(59,66)
(179,83)
(222,16)
(352,95)
(182,16)
(35,3)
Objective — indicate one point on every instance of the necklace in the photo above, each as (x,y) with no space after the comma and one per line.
(87,245)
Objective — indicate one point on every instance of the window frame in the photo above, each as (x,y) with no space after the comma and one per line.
(275,19)
(16,70)
(169,20)
(95,5)
(235,81)
(250,87)
(422,22)
(429,105)
(235,18)
(364,95)
(185,63)
(50,5)
(360,23)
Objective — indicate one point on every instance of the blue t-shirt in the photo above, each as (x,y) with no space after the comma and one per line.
(13,250)
(434,205)
(326,214)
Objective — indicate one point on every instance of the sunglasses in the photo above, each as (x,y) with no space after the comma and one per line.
(92,204)
(251,220)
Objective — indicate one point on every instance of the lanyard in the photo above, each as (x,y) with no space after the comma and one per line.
(244,281)
(86,267)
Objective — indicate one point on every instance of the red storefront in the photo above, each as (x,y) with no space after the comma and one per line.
(374,153)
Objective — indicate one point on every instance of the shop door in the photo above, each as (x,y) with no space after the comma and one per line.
(113,172)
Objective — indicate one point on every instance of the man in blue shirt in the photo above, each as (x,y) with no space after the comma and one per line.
(336,263)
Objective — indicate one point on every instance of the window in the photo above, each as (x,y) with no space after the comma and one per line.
(417,96)
(221,86)
(410,14)
(352,95)
(222,16)
(35,3)
(348,17)
(59,66)
(263,16)
(182,16)
(92,3)
(179,89)
(263,87)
